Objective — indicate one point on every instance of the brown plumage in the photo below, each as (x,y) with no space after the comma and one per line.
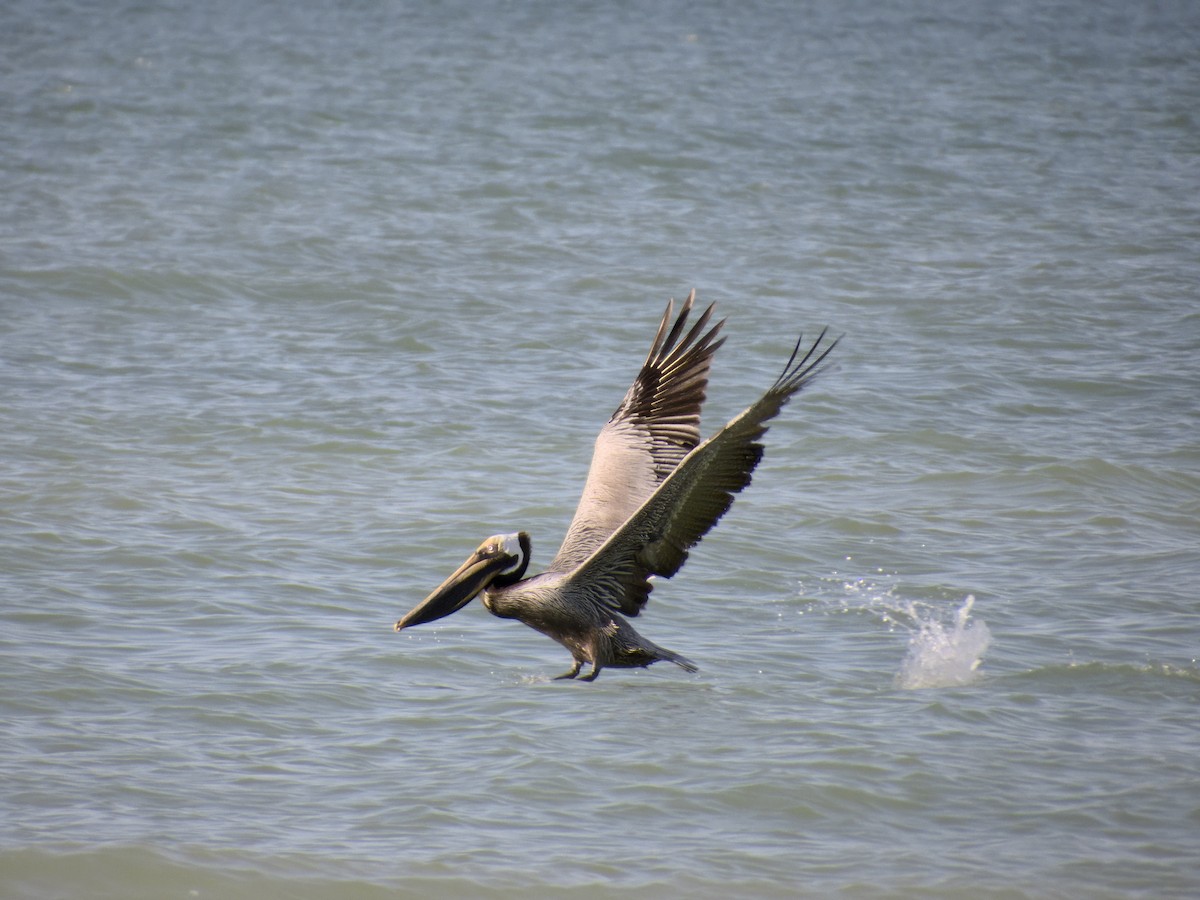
(652,492)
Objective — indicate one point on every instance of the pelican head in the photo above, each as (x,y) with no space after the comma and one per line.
(499,561)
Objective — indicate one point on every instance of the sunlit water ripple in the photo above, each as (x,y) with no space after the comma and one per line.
(299,305)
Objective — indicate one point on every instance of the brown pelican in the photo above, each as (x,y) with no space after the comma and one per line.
(652,492)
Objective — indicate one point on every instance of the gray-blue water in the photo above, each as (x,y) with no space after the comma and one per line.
(300,301)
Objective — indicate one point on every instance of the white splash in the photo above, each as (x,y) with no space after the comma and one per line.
(941,655)
(945,645)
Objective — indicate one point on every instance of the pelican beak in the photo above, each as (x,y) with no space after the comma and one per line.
(481,568)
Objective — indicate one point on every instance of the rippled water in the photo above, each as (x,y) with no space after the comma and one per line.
(300,303)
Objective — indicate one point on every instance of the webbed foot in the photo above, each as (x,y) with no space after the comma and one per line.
(574,670)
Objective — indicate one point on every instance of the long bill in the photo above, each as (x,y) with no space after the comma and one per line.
(461,588)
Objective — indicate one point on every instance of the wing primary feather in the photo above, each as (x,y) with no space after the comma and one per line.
(791,379)
(679,322)
(658,337)
(663,342)
(686,347)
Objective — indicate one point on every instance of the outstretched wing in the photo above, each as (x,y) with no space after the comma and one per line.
(656,538)
(654,428)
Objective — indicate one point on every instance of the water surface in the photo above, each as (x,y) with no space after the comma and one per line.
(300,303)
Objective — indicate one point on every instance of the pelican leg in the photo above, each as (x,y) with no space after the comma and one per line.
(573,671)
(591,676)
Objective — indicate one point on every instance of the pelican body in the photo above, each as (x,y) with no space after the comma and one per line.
(652,492)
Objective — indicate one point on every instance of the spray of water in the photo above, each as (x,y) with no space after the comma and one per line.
(945,645)
(941,655)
